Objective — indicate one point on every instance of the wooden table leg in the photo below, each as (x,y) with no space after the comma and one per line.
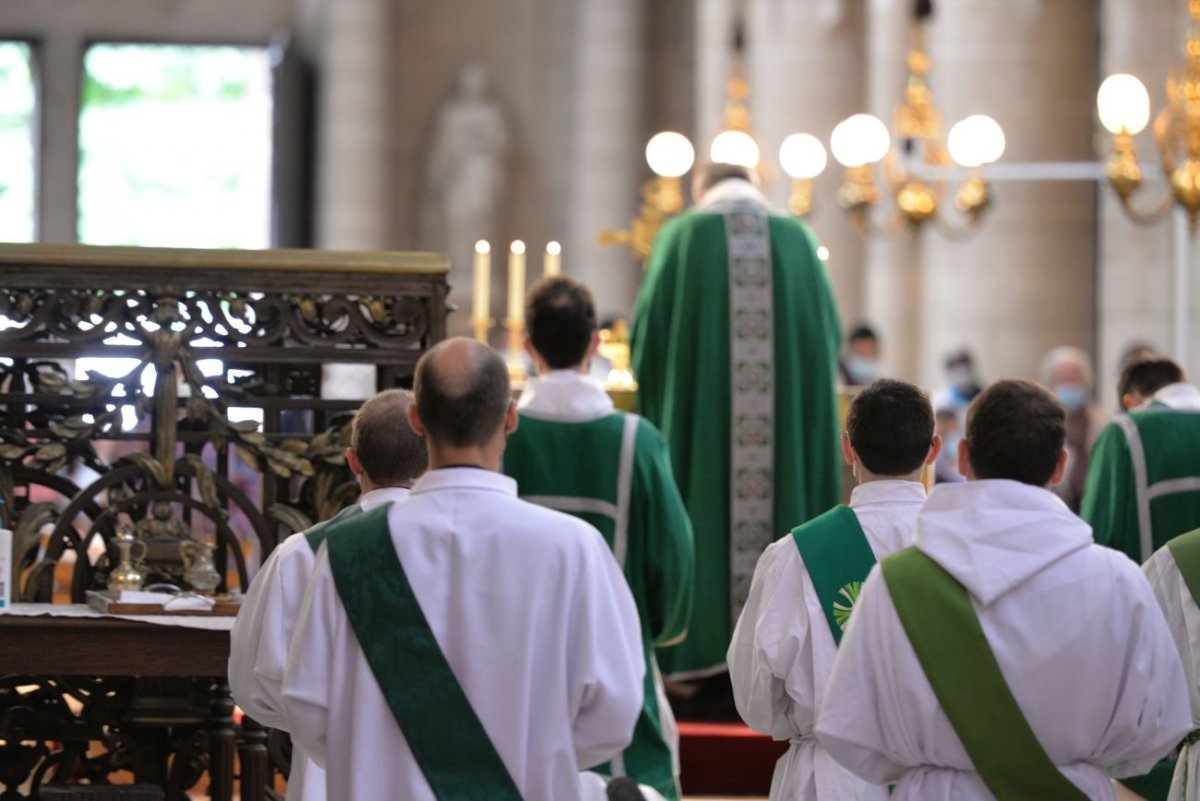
(222,740)
(255,771)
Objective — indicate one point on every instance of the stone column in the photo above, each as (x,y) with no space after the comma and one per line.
(1024,283)
(806,75)
(354,165)
(607,154)
(1135,300)
(891,278)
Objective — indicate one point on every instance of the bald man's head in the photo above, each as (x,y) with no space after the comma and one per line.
(389,451)
(462,393)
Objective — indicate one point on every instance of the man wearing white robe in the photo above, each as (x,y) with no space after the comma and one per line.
(386,456)
(1183,618)
(783,647)
(526,604)
(1074,627)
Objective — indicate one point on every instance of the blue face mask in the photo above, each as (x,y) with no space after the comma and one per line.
(861,369)
(1073,396)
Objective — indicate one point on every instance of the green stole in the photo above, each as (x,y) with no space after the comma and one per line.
(317,534)
(838,558)
(936,613)
(445,735)
(1186,551)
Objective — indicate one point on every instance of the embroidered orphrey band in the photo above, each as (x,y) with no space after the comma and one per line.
(752,352)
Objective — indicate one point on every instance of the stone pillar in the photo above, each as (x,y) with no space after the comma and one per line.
(806,75)
(1135,297)
(892,274)
(608,151)
(1025,282)
(714,47)
(354,165)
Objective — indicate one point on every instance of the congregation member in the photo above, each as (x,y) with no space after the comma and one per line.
(805,585)
(386,456)
(1174,576)
(574,452)
(734,346)
(1067,372)
(1143,485)
(1004,655)
(859,365)
(464,643)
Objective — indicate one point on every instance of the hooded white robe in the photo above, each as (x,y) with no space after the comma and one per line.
(1075,630)
(261,635)
(534,617)
(782,650)
(1183,618)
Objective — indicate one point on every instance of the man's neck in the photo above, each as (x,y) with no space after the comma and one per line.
(867,477)
(485,458)
(366,485)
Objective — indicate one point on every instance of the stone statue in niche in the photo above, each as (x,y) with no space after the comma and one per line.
(464,174)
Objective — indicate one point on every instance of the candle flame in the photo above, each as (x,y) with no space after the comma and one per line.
(553,248)
(517,247)
(482,247)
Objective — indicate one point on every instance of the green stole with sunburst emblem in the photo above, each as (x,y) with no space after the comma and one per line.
(838,558)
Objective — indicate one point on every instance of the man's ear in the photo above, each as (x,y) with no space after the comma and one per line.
(353,462)
(593,346)
(964,459)
(1060,469)
(511,419)
(935,450)
(847,450)
(528,345)
(414,420)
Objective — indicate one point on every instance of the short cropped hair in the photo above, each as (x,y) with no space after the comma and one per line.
(389,450)
(712,173)
(1147,376)
(890,425)
(561,317)
(862,331)
(1016,430)
(464,403)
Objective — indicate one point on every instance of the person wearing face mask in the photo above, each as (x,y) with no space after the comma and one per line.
(1067,372)
(860,364)
(961,387)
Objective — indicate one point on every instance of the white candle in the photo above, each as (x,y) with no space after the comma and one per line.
(516,282)
(552,263)
(480,299)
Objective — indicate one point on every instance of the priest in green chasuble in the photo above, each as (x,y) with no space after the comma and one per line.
(575,453)
(735,340)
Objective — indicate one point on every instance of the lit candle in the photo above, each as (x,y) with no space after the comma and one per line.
(516,282)
(552,264)
(483,283)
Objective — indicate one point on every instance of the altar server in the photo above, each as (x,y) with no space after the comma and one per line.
(805,585)
(386,456)
(1143,485)
(1174,575)
(1004,655)
(465,643)
(574,452)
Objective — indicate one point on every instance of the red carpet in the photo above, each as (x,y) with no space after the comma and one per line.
(726,759)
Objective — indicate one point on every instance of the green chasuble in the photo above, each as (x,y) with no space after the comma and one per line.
(735,353)
(614,472)
(1143,484)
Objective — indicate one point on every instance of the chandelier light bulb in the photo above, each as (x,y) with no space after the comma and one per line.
(670,154)
(802,156)
(859,140)
(734,147)
(975,141)
(1123,103)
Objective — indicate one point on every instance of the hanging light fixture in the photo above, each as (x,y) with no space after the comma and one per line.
(1123,105)
(911,170)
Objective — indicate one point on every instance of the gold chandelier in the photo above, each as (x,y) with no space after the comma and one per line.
(912,171)
(1124,108)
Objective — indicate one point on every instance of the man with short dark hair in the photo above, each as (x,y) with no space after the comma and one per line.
(1141,379)
(574,452)
(465,643)
(1004,655)
(734,346)
(859,365)
(386,456)
(1143,483)
(805,587)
